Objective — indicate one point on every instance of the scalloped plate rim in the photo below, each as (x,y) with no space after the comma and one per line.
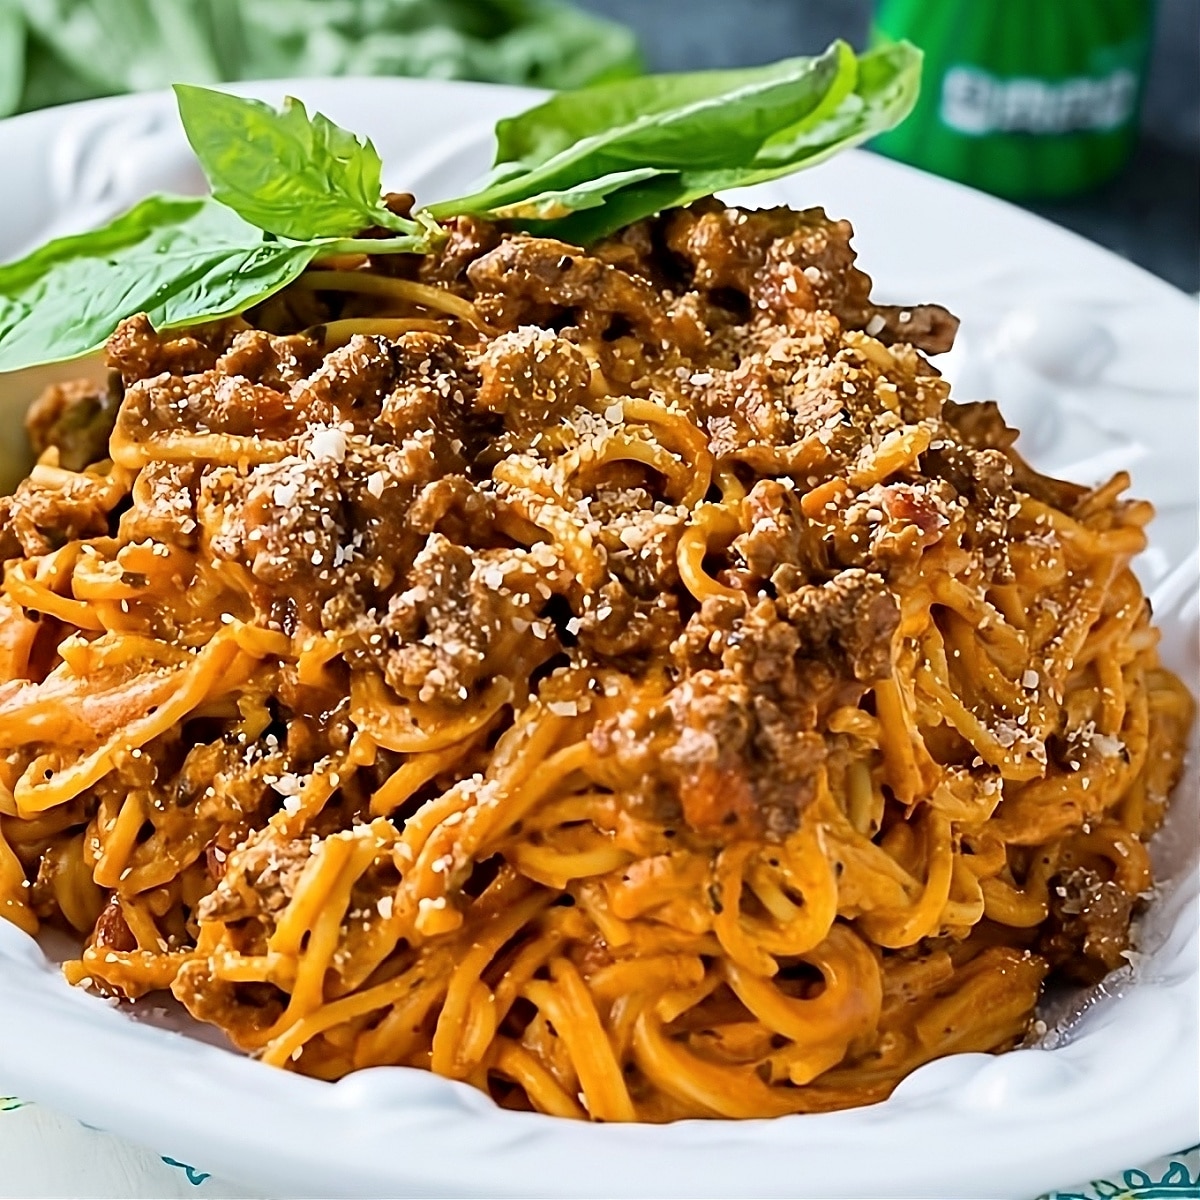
(283,1133)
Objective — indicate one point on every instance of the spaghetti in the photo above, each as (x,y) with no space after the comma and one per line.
(622,680)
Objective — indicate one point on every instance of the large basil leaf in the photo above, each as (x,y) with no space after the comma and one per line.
(707,120)
(689,135)
(177,260)
(286,172)
(559,124)
(555,204)
(884,91)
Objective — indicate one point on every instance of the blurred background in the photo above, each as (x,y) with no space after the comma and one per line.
(1086,111)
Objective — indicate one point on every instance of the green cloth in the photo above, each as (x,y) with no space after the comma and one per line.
(55,51)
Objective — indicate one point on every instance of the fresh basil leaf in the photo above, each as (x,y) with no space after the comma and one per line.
(531,138)
(553,205)
(885,90)
(869,94)
(177,260)
(620,208)
(713,120)
(291,174)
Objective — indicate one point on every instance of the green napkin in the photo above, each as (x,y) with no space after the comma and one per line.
(55,51)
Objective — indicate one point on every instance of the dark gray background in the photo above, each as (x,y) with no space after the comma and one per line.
(1150,213)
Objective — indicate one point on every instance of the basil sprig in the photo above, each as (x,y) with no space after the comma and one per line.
(286,172)
(287,187)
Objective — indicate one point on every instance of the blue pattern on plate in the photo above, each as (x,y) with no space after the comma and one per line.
(193,1176)
(1175,1183)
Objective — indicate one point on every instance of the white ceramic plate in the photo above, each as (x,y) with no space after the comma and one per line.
(1095,359)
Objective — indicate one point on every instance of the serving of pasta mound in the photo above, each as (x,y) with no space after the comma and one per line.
(621,679)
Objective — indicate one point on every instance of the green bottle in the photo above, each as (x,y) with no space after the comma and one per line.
(1021,97)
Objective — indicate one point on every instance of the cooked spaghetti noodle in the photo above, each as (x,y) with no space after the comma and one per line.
(622,680)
